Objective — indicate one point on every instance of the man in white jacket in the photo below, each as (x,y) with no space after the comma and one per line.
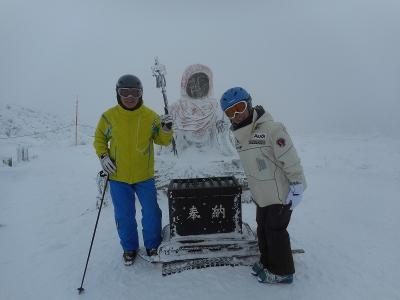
(276,181)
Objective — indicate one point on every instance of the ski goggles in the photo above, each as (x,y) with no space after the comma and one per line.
(236,108)
(126,92)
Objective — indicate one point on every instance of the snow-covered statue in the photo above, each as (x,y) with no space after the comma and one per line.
(205,145)
(196,113)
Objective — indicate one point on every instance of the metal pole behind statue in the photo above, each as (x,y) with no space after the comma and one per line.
(159,72)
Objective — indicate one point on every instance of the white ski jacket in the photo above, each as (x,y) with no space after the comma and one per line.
(269,159)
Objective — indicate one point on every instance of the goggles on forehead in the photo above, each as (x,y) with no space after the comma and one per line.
(126,92)
(236,108)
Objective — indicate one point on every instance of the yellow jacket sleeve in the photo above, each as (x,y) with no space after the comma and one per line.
(161,137)
(102,136)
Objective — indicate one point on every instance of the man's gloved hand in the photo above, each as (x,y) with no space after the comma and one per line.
(107,164)
(166,122)
(295,195)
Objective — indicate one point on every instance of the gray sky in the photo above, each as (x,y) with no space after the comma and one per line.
(318,66)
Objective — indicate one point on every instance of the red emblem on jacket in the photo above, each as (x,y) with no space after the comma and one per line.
(281,142)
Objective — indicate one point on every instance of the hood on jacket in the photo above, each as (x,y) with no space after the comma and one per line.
(261,116)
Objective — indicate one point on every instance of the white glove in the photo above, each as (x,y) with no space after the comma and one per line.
(295,195)
(107,164)
(166,122)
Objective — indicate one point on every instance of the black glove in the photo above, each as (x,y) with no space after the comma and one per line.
(166,122)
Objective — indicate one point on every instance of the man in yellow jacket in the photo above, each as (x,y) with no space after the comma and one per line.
(124,141)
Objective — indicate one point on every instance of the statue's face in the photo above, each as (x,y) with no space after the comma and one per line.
(198,86)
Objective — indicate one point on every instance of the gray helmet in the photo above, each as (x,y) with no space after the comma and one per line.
(128,81)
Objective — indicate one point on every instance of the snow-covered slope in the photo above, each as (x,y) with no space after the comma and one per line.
(21,124)
(348,224)
(24,126)
(20,121)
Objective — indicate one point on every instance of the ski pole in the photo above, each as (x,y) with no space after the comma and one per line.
(159,72)
(102,174)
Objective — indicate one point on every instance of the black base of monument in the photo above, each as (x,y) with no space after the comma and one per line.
(199,206)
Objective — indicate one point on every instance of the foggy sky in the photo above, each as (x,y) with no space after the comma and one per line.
(318,66)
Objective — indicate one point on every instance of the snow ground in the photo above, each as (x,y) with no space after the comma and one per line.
(348,224)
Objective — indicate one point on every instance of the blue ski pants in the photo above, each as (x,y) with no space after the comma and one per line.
(123,198)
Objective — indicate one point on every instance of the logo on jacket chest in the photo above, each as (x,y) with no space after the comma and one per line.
(258,138)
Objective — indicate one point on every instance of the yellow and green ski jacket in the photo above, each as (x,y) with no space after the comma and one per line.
(128,137)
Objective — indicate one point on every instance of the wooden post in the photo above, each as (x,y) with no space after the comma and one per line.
(76,122)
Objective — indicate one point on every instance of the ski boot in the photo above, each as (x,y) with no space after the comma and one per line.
(129,257)
(151,252)
(256,268)
(266,276)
